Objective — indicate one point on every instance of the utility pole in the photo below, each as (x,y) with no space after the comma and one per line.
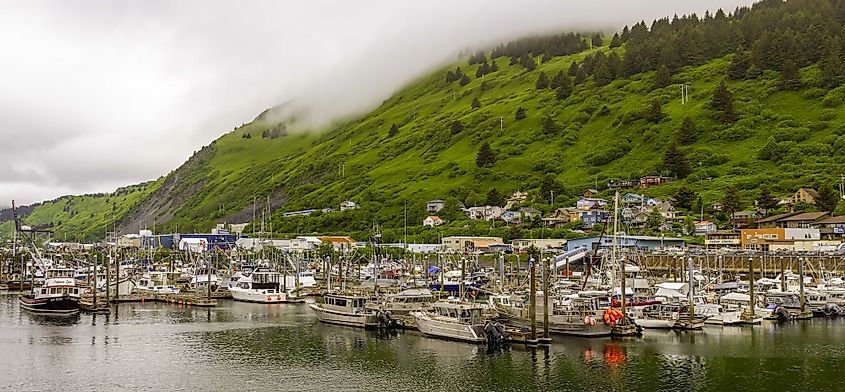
(501,124)
(842,186)
(684,94)
(553,197)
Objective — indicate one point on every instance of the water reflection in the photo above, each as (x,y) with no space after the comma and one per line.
(252,347)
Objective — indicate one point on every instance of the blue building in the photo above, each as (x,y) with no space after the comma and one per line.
(590,217)
(626,241)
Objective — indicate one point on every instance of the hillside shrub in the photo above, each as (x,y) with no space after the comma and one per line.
(834,97)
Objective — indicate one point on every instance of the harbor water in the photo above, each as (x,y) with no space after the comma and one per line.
(253,347)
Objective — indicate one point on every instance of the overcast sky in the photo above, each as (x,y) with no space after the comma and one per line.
(99,94)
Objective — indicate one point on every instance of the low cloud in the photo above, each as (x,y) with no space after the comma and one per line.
(98,94)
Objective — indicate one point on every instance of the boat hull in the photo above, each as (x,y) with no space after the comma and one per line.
(433,327)
(562,327)
(257,296)
(357,320)
(655,323)
(59,306)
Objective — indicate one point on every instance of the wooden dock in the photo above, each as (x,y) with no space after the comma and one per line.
(186,299)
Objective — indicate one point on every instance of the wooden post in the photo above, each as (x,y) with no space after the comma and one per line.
(691,291)
(751,285)
(801,282)
(95,281)
(108,280)
(463,277)
(533,310)
(546,338)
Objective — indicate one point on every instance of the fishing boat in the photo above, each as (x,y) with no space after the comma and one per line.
(204,277)
(453,320)
(260,285)
(345,309)
(156,282)
(405,301)
(666,316)
(576,316)
(58,296)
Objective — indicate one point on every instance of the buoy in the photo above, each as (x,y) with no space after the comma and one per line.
(269,298)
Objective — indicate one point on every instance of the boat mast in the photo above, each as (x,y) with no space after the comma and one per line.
(613,251)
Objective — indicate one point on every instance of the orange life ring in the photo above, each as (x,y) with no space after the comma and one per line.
(269,298)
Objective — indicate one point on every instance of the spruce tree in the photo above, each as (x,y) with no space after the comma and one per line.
(494,198)
(833,69)
(723,102)
(765,200)
(520,113)
(494,67)
(684,197)
(596,41)
(486,157)
(573,68)
(457,127)
(655,111)
(580,75)
(616,41)
(739,65)
(475,103)
(450,76)
(790,79)
(602,75)
(662,77)
(688,133)
(394,130)
(464,80)
(542,81)
(827,199)
(731,201)
(675,162)
(564,90)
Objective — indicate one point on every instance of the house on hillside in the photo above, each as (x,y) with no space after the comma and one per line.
(746,218)
(348,205)
(521,215)
(433,221)
(792,220)
(632,198)
(485,213)
(516,198)
(339,243)
(591,192)
(667,211)
(622,184)
(648,181)
(434,206)
(704,228)
(804,195)
(831,227)
(589,203)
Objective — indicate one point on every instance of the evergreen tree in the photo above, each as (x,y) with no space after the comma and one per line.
(596,41)
(688,133)
(550,186)
(790,79)
(494,198)
(663,77)
(520,113)
(457,127)
(580,75)
(655,112)
(684,197)
(564,90)
(394,130)
(550,127)
(602,75)
(555,82)
(739,65)
(614,65)
(542,81)
(486,156)
(527,61)
(546,57)
(450,76)
(723,101)
(476,103)
(616,41)
(573,68)
(494,67)
(765,200)
(833,69)
(675,162)
(731,201)
(654,220)
(827,199)
(464,80)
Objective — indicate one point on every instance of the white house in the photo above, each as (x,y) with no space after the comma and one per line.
(433,221)
(348,205)
(485,213)
(305,243)
(433,206)
(704,228)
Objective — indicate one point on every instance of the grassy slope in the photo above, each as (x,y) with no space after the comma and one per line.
(426,161)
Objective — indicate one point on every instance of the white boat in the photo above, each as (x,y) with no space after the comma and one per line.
(715,314)
(203,277)
(346,310)
(260,285)
(452,319)
(666,316)
(405,301)
(157,282)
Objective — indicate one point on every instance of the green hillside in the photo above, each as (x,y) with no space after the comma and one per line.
(787,131)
